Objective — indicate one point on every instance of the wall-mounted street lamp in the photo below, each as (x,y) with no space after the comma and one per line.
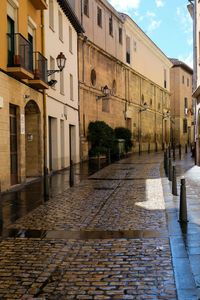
(60,60)
(106,92)
(145,107)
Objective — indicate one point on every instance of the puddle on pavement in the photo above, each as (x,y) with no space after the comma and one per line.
(83,235)
(16,204)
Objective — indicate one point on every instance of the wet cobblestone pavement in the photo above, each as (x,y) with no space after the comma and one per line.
(105,238)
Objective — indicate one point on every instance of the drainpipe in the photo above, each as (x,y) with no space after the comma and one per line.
(45,170)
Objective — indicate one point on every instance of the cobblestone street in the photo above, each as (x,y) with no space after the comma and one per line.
(105,238)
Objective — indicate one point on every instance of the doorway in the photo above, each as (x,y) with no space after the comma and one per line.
(33,143)
(13,145)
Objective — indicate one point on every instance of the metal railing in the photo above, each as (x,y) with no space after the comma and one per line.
(20,52)
(40,66)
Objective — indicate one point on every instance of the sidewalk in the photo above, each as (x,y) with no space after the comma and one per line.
(185,242)
(106,238)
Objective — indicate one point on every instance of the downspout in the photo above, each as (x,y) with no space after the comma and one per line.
(46,185)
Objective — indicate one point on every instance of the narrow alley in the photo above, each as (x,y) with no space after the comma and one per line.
(108,237)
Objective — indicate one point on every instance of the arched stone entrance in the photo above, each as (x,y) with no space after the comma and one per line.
(33,140)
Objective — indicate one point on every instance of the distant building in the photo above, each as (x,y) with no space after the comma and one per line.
(22,81)
(182,115)
(117,54)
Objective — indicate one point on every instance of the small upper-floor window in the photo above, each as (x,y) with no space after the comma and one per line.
(183,79)
(60,25)
(188,82)
(128,50)
(185,102)
(71,87)
(70,39)
(86,8)
(185,125)
(165,78)
(52,67)
(120,35)
(99,16)
(111,26)
(51,14)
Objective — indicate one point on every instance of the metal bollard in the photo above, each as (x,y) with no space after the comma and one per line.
(183,203)
(179,150)
(167,165)
(165,161)
(156,147)
(174,182)
(186,149)
(170,170)
(174,153)
(169,152)
(149,146)
(46,184)
(71,174)
(109,159)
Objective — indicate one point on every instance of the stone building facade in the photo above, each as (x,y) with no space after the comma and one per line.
(22,80)
(182,114)
(139,96)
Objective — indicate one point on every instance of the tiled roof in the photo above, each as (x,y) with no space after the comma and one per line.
(181,64)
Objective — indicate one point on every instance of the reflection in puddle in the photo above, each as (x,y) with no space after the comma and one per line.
(14,205)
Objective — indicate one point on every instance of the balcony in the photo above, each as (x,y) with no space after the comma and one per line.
(20,56)
(39,4)
(40,72)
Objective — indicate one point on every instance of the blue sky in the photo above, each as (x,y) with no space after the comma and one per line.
(166,22)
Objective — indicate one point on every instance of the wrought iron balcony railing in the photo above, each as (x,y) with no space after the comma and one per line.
(40,66)
(20,52)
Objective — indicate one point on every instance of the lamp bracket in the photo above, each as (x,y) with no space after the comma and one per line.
(51,72)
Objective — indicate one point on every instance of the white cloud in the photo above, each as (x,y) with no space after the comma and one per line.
(153,25)
(123,5)
(160,3)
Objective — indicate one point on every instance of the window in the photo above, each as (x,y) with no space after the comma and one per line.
(135,46)
(32,32)
(185,102)
(120,35)
(71,88)
(183,79)
(70,39)
(60,25)
(188,82)
(93,77)
(51,14)
(128,55)
(10,31)
(111,26)
(99,16)
(184,125)
(52,67)
(86,8)
(165,78)
(62,82)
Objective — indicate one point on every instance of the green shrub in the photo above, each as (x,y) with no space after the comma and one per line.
(124,133)
(101,137)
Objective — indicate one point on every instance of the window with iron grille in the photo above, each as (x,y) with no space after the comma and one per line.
(111,26)
(86,8)
(184,125)
(99,16)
